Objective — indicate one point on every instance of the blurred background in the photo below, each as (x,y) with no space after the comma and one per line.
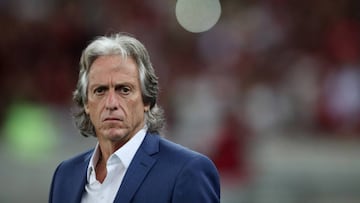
(271,93)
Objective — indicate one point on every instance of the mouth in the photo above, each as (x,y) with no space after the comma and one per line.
(112,119)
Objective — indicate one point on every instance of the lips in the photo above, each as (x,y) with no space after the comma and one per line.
(112,119)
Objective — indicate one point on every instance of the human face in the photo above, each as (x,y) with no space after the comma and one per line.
(115,104)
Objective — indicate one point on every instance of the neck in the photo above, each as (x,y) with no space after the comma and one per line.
(100,169)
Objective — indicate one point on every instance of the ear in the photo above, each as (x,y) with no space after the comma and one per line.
(146,107)
(86,108)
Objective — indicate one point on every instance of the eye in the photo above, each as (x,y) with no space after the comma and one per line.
(125,90)
(100,90)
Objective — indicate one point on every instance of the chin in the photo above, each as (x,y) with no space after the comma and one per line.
(117,134)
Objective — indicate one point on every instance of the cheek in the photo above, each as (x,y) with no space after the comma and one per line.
(136,108)
(94,111)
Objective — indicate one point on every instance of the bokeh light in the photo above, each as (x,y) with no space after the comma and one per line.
(30,131)
(198,15)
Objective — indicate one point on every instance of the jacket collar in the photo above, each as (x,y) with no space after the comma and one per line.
(79,178)
(139,168)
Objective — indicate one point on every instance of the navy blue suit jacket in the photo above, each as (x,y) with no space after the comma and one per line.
(161,172)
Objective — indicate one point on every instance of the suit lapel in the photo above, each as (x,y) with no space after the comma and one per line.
(139,167)
(79,179)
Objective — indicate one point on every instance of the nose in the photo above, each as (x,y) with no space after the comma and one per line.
(111,102)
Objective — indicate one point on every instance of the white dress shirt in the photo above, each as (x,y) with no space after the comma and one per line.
(116,166)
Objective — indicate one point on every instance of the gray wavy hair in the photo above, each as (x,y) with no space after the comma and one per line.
(125,46)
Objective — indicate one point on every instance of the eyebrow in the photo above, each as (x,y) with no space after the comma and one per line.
(91,87)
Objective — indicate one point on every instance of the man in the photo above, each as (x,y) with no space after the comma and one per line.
(116,94)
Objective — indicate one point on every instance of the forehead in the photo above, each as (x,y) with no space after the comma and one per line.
(113,67)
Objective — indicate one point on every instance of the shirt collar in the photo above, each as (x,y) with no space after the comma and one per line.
(125,154)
